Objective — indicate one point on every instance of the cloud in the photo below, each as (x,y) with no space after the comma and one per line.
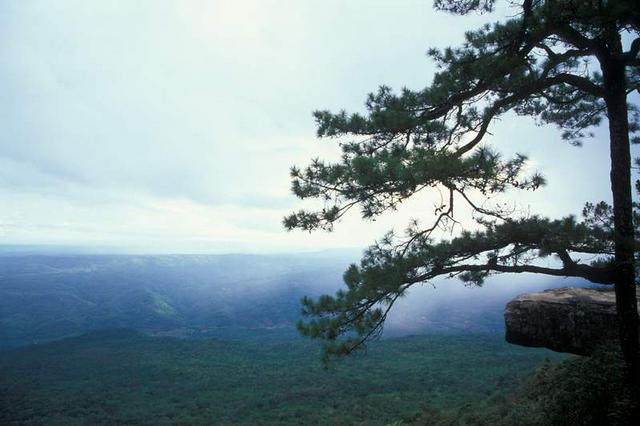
(163,122)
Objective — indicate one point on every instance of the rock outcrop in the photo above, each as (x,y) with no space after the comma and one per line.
(574,320)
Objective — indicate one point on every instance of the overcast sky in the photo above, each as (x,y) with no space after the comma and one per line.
(170,126)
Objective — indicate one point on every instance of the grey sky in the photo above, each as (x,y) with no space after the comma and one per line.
(171,125)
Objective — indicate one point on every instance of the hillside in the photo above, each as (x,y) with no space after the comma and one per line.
(45,297)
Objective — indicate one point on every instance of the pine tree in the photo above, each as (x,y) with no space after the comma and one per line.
(562,62)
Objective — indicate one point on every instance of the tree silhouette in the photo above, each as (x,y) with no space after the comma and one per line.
(562,62)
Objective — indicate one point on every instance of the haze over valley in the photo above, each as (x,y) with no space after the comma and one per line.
(46,296)
(148,339)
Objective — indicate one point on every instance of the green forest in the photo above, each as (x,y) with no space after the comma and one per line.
(120,376)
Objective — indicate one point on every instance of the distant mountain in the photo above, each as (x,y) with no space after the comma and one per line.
(45,297)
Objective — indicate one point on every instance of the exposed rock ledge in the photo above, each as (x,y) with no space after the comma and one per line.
(573,320)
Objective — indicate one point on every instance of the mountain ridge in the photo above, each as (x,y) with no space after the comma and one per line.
(45,297)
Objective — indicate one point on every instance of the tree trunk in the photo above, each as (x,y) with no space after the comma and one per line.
(625,288)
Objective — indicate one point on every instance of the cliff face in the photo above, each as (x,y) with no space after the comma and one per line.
(573,320)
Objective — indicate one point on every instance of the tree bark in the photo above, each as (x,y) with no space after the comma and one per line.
(624,277)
